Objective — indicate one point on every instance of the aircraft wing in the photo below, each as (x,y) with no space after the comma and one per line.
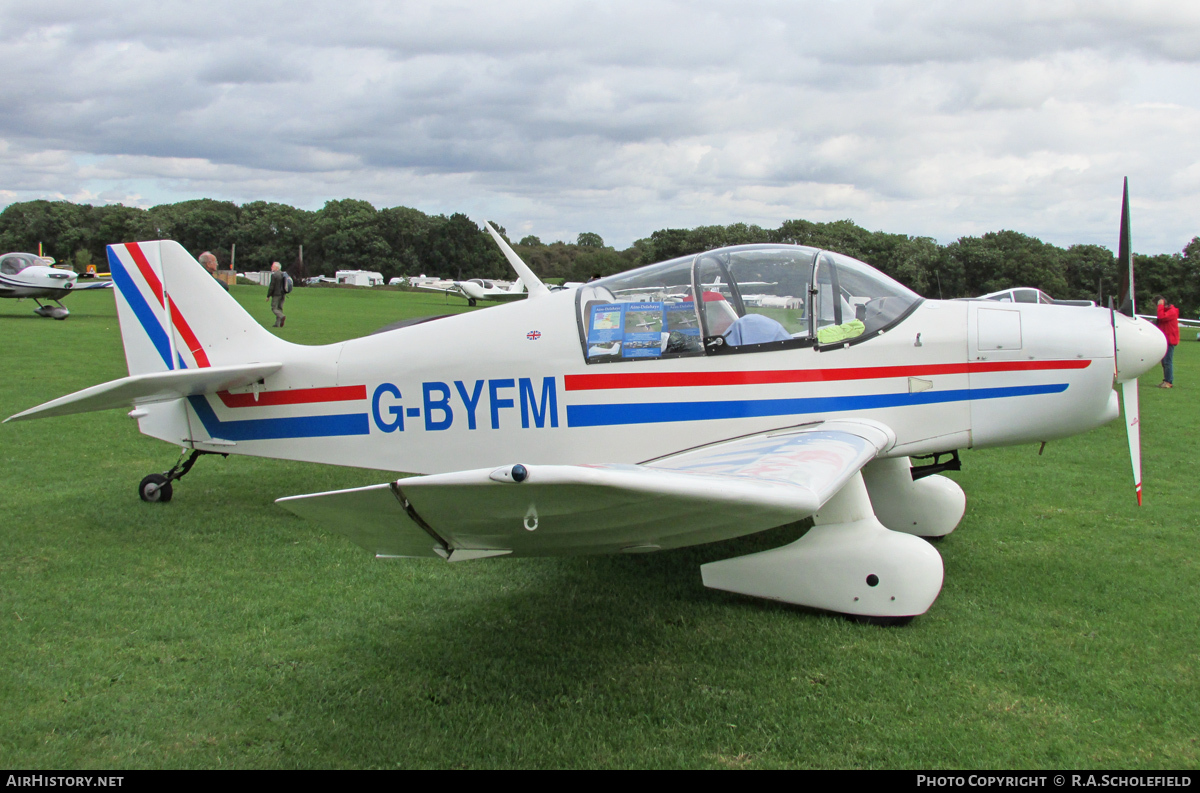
(450,290)
(701,495)
(148,388)
(95,285)
(500,296)
(1186,323)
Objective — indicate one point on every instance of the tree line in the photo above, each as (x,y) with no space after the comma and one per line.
(397,241)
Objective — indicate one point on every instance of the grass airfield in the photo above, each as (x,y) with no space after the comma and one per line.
(219,631)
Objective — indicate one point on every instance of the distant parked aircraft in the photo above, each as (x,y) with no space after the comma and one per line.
(477,289)
(1027,294)
(29,275)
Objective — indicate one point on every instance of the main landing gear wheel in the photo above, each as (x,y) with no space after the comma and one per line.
(471,301)
(54,312)
(155,488)
(849,563)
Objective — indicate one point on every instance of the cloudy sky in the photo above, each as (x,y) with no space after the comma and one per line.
(930,118)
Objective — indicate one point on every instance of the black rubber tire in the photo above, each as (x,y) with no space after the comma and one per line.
(155,489)
(471,301)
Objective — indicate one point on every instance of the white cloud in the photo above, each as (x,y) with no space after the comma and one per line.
(931,118)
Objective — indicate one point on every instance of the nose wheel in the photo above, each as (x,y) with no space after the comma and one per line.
(156,488)
(53,312)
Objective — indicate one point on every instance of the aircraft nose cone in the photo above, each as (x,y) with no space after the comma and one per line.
(1140,347)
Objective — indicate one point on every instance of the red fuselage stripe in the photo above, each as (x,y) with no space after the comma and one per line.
(298,396)
(600,382)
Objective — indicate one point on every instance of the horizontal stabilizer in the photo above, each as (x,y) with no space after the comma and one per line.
(704,495)
(147,388)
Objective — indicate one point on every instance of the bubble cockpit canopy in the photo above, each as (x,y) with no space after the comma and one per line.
(739,299)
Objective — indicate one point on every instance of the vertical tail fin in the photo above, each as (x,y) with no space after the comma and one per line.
(174,315)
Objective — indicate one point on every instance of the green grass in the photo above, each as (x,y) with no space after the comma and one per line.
(220,631)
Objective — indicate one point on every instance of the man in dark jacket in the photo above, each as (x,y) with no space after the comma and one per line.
(276,294)
(1168,323)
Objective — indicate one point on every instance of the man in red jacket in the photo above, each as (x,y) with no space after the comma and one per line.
(1168,323)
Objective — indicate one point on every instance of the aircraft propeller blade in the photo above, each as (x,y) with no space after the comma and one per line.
(1125,303)
(1125,299)
(1133,431)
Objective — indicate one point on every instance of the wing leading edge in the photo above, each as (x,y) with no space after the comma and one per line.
(696,496)
(94,285)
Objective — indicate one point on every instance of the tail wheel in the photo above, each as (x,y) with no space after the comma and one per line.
(155,488)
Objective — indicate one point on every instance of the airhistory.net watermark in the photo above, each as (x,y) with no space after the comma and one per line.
(53,780)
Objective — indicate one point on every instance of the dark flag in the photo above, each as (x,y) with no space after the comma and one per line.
(297,270)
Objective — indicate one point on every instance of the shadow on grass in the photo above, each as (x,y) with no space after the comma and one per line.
(616,633)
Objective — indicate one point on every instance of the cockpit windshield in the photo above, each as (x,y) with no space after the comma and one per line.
(740,299)
(866,300)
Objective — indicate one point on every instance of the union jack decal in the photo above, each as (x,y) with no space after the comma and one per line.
(533,335)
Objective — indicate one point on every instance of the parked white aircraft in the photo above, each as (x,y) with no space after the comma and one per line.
(562,425)
(29,275)
(1026,294)
(477,289)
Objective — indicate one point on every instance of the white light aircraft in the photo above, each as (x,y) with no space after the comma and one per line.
(562,425)
(1026,294)
(477,289)
(28,275)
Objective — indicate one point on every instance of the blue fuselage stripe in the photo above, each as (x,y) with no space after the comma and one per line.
(141,309)
(272,429)
(658,412)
